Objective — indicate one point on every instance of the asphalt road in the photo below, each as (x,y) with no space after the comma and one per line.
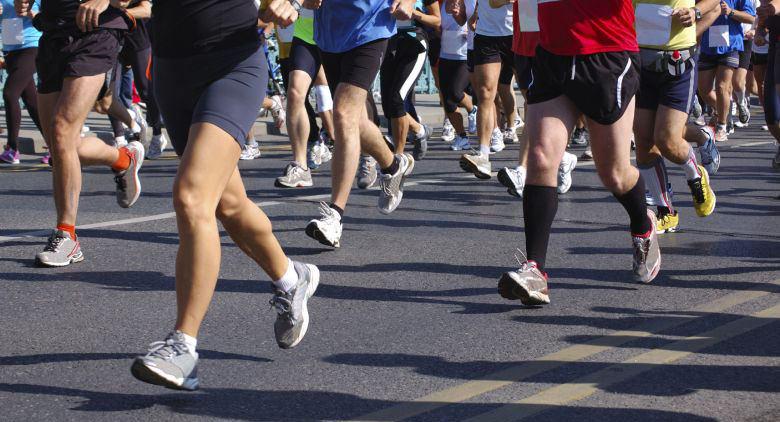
(407,323)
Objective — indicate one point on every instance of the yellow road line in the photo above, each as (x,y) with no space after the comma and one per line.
(494,381)
(593,383)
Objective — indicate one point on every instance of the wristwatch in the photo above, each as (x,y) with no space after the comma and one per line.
(697,12)
(731,14)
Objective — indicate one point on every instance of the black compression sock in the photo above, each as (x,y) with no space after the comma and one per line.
(540,204)
(337,209)
(634,203)
(393,168)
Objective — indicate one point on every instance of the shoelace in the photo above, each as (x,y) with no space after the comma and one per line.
(326,213)
(384,185)
(641,248)
(697,190)
(366,167)
(54,243)
(167,349)
(282,305)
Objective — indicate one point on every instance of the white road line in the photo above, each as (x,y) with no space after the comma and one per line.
(752,144)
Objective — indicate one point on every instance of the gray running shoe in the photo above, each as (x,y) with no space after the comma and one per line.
(327,228)
(461,144)
(472,120)
(294,176)
(579,136)
(647,254)
(60,251)
(367,175)
(568,163)
(587,155)
(128,184)
(157,146)
(528,284)
(477,164)
(697,110)
(421,143)
(710,156)
(293,319)
(510,135)
(513,179)
(392,185)
(169,363)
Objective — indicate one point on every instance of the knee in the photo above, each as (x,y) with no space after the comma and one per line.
(229,207)
(191,208)
(296,95)
(102,105)
(724,85)
(615,180)
(542,160)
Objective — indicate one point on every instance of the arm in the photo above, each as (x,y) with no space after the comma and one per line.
(142,10)
(740,16)
(88,15)
(495,4)
(457,9)
(432,18)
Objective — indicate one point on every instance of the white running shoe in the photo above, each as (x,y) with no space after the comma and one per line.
(497,141)
(477,164)
(157,146)
(326,229)
(513,179)
(461,143)
(510,136)
(568,163)
(250,151)
(472,119)
(278,112)
(447,131)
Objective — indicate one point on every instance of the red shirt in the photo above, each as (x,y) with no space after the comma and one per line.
(577,27)
(524,43)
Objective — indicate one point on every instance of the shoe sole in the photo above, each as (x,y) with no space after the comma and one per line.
(314,232)
(297,185)
(470,167)
(73,260)
(508,288)
(653,273)
(313,283)
(139,162)
(507,182)
(149,375)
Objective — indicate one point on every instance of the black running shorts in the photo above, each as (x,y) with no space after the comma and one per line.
(601,85)
(357,67)
(495,50)
(305,57)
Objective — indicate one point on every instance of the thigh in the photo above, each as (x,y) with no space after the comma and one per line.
(77,98)
(548,125)
(487,77)
(359,66)
(304,57)
(706,80)
(611,143)
(724,73)
(603,85)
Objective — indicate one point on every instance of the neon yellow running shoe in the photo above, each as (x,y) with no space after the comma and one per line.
(703,196)
(668,223)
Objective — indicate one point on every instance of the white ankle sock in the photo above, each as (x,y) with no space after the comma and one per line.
(191,342)
(421,133)
(484,149)
(290,278)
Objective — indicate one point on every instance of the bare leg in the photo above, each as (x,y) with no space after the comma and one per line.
(486,77)
(297,119)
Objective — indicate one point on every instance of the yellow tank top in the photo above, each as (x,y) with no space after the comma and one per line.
(656,29)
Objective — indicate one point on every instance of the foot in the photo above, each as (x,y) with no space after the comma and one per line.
(327,228)
(667,223)
(169,363)
(513,179)
(476,163)
(277,111)
(128,184)
(472,120)
(703,196)
(317,154)
(447,131)
(157,146)
(568,163)
(142,135)
(497,141)
(392,185)
(10,156)
(250,151)
(708,153)
(367,173)
(292,320)
(46,159)
(721,135)
(295,176)
(647,253)
(421,143)
(510,136)
(60,251)
(579,136)
(528,284)
(587,155)
(461,143)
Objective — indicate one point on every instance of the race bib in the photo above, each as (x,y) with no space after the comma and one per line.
(528,15)
(719,36)
(453,43)
(286,34)
(13,31)
(653,24)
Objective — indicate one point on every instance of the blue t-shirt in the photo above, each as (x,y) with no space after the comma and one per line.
(714,41)
(30,34)
(341,25)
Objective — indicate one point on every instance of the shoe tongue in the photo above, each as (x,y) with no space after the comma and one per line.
(62,233)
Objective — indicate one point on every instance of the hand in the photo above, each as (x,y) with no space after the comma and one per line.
(312,4)
(454,7)
(724,8)
(88,15)
(280,12)
(402,10)
(120,4)
(23,8)
(685,16)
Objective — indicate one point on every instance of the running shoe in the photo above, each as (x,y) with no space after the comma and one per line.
(250,151)
(703,196)
(668,223)
(477,164)
(327,228)
(743,112)
(510,136)
(587,155)
(513,179)
(730,126)
(128,184)
(733,108)
(10,156)
(764,127)
(472,120)
(169,363)
(157,146)
(60,250)
(776,160)
(295,176)
(497,141)
(121,141)
(461,143)
(697,110)
(46,159)
(527,283)
(708,153)
(447,131)
(318,153)
(292,320)
(421,143)
(721,135)
(647,253)
(277,111)
(392,185)
(568,163)
(580,136)
(142,135)
(519,124)
(701,120)
(367,174)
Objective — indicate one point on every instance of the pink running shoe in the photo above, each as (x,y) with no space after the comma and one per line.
(46,159)
(10,156)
